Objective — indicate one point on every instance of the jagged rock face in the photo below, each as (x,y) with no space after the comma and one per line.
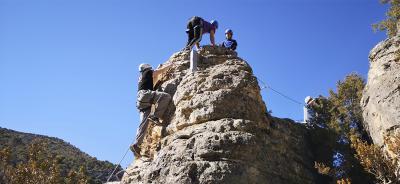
(381,97)
(218,130)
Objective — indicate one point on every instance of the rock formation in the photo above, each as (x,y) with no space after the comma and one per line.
(381,97)
(218,130)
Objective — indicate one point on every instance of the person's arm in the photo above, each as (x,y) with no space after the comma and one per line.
(312,103)
(160,71)
(197,45)
(234,45)
(212,38)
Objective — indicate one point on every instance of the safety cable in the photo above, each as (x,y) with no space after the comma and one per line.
(265,86)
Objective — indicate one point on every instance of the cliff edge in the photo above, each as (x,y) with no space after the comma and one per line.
(381,96)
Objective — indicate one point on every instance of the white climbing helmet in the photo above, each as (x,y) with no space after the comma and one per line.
(308,99)
(144,66)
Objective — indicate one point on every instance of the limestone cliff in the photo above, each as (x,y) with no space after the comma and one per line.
(381,96)
(218,130)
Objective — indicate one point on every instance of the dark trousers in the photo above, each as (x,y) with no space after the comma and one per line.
(194,31)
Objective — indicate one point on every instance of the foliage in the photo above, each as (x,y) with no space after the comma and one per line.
(392,18)
(60,157)
(323,169)
(344,181)
(340,115)
(382,164)
(40,168)
(356,159)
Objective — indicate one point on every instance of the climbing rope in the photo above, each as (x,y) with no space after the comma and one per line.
(119,163)
(127,150)
(265,86)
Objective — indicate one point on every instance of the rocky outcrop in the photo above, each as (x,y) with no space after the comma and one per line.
(381,96)
(218,130)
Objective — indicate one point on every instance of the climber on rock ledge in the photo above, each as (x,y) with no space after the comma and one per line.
(147,97)
(229,42)
(196,27)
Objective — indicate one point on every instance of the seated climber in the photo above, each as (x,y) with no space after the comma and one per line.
(229,42)
(145,99)
(196,27)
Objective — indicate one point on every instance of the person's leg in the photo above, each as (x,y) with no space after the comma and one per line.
(144,98)
(190,34)
(135,147)
(189,30)
(161,102)
(144,123)
(196,31)
(197,34)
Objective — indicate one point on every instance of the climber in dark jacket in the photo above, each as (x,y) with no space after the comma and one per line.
(229,42)
(196,27)
(147,97)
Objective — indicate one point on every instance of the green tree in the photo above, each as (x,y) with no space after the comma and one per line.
(40,167)
(341,116)
(392,18)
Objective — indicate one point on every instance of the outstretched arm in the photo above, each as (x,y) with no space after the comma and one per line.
(161,70)
(212,37)
(160,74)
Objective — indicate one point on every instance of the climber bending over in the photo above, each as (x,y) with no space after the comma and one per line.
(196,27)
(147,97)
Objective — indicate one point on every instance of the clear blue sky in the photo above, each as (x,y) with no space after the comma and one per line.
(68,68)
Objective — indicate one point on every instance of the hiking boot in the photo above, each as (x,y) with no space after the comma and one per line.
(155,120)
(185,49)
(136,150)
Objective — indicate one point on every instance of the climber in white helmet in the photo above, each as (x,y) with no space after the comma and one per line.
(307,108)
(147,97)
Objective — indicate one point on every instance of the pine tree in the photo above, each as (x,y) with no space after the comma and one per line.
(341,116)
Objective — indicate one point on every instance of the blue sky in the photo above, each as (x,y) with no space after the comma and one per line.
(68,68)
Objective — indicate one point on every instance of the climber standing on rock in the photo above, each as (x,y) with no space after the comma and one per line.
(308,108)
(195,29)
(147,97)
(312,109)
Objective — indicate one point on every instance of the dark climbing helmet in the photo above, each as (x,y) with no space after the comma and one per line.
(214,23)
(228,31)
